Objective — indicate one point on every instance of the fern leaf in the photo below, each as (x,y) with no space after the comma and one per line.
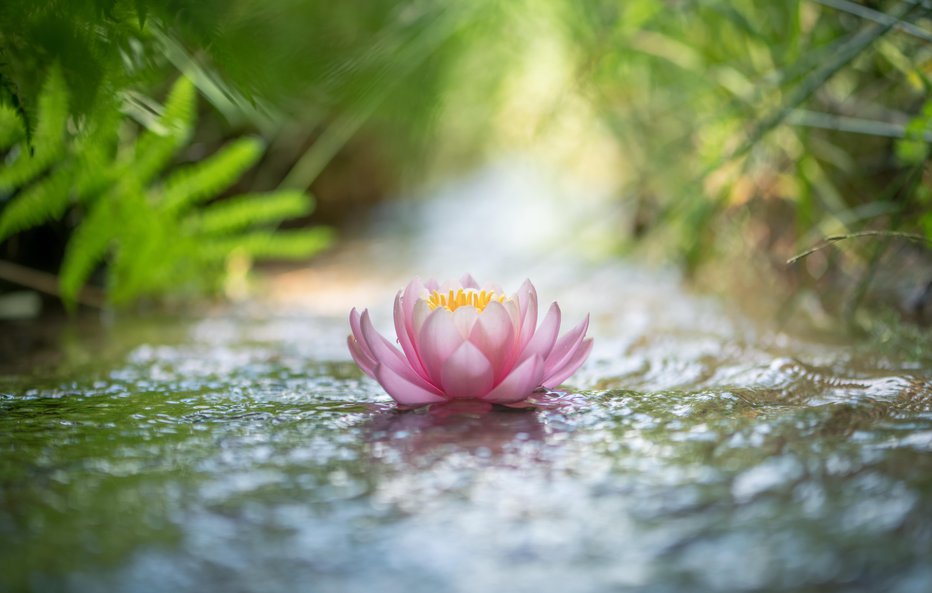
(147,252)
(48,140)
(179,106)
(244,211)
(208,178)
(87,248)
(142,11)
(11,127)
(93,152)
(297,244)
(10,93)
(40,203)
(170,132)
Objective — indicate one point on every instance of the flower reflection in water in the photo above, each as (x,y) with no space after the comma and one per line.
(473,428)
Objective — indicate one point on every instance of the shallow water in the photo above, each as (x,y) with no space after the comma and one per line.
(243,451)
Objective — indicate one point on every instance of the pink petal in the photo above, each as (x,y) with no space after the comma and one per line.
(543,339)
(412,294)
(388,356)
(469,282)
(464,318)
(494,335)
(449,285)
(520,383)
(512,308)
(363,360)
(357,331)
(527,309)
(431,285)
(406,336)
(565,346)
(437,340)
(402,391)
(563,373)
(467,373)
(492,287)
(421,311)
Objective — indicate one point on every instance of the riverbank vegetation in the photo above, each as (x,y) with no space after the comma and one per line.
(722,127)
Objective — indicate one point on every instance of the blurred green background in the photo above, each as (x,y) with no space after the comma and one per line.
(153,149)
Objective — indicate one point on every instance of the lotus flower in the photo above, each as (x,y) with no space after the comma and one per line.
(459,341)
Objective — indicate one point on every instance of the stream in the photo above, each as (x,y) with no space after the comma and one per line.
(241,450)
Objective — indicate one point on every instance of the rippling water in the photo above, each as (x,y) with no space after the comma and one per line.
(243,451)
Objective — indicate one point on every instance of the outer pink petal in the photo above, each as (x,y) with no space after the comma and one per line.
(546,335)
(522,295)
(437,340)
(406,336)
(520,383)
(363,360)
(565,346)
(467,373)
(402,391)
(494,335)
(388,356)
(412,294)
(527,309)
(419,316)
(563,373)
(355,325)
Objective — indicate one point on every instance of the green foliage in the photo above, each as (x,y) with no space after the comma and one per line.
(913,148)
(340,64)
(771,123)
(310,77)
(47,141)
(48,197)
(100,46)
(155,226)
(783,114)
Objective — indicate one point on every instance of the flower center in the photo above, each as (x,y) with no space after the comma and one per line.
(463,298)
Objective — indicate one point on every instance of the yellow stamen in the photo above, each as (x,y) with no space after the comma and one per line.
(463,298)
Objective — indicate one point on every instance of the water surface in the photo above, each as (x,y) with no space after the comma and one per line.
(241,450)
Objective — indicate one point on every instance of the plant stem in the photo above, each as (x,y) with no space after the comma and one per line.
(49,284)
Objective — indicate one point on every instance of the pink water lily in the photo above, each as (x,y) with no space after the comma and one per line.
(462,341)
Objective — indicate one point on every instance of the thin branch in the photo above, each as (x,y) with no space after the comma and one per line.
(835,238)
(48,284)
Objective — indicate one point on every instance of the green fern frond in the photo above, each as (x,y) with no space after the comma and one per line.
(178,113)
(147,253)
(48,140)
(154,237)
(41,202)
(206,179)
(87,248)
(11,127)
(159,143)
(93,151)
(296,244)
(142,11)
(241,212)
